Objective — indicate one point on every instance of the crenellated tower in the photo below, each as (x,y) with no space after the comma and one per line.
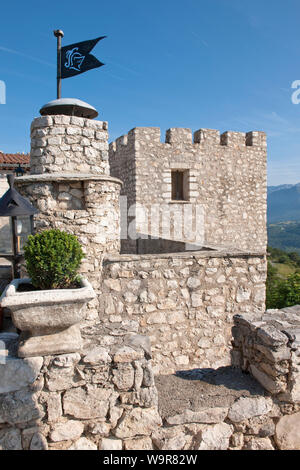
(225,175)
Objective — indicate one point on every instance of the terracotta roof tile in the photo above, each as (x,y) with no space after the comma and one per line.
(16,158)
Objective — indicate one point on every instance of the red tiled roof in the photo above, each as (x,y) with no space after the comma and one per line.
(14,158)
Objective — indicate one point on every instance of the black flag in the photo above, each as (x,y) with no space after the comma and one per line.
(76,58)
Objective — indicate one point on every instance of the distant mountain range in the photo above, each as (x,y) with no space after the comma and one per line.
(271,189)
(283,203)
(284,217)
(285,236)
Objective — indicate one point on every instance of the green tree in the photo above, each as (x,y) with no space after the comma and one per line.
(282,293)
(292,290)
(274,297)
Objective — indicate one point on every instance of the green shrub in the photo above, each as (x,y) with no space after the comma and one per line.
(52,259)
(280,292)
(292,290)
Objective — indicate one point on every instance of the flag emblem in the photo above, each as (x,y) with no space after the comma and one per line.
(76,58)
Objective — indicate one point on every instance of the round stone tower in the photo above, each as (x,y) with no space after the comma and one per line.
(70,185)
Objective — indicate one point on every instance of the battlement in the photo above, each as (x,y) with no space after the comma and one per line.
(183,136)
(202,170)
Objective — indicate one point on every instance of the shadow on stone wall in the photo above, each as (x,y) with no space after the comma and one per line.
(146,244)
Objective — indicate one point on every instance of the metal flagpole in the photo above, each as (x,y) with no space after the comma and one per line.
(58,34)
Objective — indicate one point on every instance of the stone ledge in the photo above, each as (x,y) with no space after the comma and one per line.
(45,177)
(208,251)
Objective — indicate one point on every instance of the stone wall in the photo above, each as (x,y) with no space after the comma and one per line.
(225,176)
(103,398)
(268,346)
(185,302)
(70,144)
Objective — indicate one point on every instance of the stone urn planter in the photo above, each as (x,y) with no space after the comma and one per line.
(48,319)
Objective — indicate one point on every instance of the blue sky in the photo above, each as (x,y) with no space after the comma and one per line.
(220,64)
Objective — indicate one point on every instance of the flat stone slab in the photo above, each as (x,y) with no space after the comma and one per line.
(201,389)
(63,177)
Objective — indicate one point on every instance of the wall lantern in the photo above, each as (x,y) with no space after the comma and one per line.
(19,170)
(13,205)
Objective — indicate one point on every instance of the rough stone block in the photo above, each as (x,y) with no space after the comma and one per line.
(127,354)
(83,444)
(123,376)
(68,430)
(256,443)
(215,437)
(245,408)
(10,439)
(138,422)
(87,404)
(271,336)
(144,443)
(287,435)
(170,438)
(273,386)
(19,407)
(111,444)
(17,373)
(38,442)
(96,356)
(206,416)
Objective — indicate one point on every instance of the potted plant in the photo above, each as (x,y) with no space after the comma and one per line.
(48,306)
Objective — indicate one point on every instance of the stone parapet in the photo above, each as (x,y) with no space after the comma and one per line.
(268,346)
(185,302)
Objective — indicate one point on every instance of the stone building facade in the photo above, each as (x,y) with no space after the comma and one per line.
(156,312)
(222,176)
(184,300)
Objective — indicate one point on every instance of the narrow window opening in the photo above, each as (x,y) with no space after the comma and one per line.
(179,181)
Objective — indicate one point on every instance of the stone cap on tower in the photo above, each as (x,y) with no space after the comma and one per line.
(69,107)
